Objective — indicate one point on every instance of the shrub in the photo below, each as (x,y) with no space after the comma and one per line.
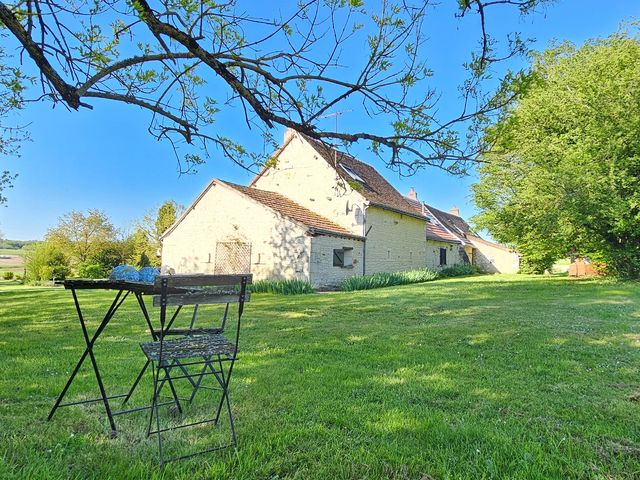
(44,261)
(7,275)
(92,271)
(537,264)
(457,271)
(383,279)
(282,287)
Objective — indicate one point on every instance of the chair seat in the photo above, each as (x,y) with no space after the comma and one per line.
(190,347)
(190,331)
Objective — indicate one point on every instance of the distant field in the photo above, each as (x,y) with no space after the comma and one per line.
(11,260)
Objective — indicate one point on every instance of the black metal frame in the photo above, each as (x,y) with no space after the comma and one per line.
(122,289)
(164,364)
(89,343)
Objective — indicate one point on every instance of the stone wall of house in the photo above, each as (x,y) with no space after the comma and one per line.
(456,254)
(322,271)
(279,248)
(301,174)
(492,258)
(395,242)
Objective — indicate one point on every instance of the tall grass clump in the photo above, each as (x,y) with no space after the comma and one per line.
(282,287)
(383,279)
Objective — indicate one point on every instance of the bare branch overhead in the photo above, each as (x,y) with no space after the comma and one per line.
(187,63)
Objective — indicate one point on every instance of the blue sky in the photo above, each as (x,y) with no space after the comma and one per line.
(106,159)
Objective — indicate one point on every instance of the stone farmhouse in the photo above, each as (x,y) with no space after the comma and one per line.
(320,215)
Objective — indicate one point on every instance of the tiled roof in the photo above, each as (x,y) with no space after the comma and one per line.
(434,230)
(292,210)
(453,223)
(373,185)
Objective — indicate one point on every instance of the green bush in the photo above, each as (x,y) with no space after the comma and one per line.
(92,271)
(45,261)
(7,275)
(282,287)
(457,271)
(379,280)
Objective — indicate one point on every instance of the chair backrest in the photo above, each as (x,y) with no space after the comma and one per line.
(200,289)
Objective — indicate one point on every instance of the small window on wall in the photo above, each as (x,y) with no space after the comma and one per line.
(343,257)
(443,256)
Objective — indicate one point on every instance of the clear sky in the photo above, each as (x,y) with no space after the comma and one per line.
(106,159)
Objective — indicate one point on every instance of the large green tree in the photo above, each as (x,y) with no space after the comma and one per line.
(85,237)
(289,64)
(563,176)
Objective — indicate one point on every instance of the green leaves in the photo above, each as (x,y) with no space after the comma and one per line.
(562,176)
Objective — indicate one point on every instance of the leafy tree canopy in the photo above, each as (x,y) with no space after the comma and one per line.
(184,62)
(563,175)
(146,239)
(45,261)
(84,236)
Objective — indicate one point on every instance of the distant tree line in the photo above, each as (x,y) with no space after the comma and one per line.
(15,244)
(87,245)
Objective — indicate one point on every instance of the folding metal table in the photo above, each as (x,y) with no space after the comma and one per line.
(122,290)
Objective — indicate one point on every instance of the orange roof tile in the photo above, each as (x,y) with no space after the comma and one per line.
(292,210)
(374,186)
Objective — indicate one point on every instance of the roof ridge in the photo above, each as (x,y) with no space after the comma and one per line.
(306,217)
(376,188)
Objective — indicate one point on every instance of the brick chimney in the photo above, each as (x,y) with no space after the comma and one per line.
(413,195)
(454,211)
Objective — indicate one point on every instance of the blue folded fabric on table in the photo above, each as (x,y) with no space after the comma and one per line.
(125,273)
(149,274)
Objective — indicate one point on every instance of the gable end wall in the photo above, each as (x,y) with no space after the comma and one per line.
(302,175)
(280,248)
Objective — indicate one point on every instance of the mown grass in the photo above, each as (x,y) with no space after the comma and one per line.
(505,377)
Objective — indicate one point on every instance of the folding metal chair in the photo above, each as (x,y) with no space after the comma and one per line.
(217,327)
(209,352)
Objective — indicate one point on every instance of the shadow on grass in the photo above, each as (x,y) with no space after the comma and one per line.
(481,377)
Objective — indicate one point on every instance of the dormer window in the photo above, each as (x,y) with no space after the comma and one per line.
(353,174)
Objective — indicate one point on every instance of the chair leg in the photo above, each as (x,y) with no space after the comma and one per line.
(185,372)
(167,379)
(154,398)
(231,424)
(223,383)
(155,410)
(196,385)
(159,433)
(173,391)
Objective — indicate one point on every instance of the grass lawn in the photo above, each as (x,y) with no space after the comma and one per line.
(481,377)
